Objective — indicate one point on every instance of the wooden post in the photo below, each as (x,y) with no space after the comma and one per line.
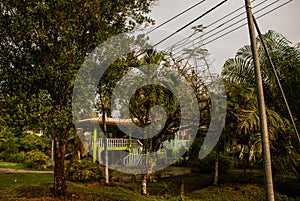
(95,146)
(262,110)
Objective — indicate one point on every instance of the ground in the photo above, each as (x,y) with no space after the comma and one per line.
(13,170)
(36,185)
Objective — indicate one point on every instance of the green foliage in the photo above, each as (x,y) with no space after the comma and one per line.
(238,73)
(43,44)
(84,171)
(34,142)
(8,148)
(14,148)
(36,160)
(207,165)
(18,157)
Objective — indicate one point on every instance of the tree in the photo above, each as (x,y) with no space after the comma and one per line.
(152,68)
(239,75)
(211,97)
(155,80)
(43,44)
(286,60)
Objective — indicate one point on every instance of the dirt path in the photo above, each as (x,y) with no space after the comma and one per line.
(11,170)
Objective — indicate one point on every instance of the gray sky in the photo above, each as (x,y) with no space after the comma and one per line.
(284,20)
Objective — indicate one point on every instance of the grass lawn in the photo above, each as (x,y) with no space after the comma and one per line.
(25,186)
(11,165)
(20,166)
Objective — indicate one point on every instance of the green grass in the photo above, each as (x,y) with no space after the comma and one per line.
(117,191)
(247,192)
(20,166)
(25,186)
(11,165)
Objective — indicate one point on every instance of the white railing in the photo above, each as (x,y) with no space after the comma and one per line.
(132,159)
(117,142)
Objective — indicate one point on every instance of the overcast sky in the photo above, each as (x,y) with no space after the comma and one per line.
(284,20)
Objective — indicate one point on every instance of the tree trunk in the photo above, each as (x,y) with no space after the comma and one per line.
(181,190)
(146,148)
(105,145)
(150,163)
(144,185)
(52,151)
(78,155)
(106,165)
(246,164)
(216,176)
(60,186)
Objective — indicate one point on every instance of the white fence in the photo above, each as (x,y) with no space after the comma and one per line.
(118,142)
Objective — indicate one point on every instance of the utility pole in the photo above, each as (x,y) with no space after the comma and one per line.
(269,191)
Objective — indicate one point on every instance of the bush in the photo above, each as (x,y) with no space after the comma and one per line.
(2,156)
(36,160)
(8,148)
(18,158)
(30,142)
(14,145)
(84,171)
(207,165)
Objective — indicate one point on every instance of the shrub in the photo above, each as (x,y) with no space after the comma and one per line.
(18,158)
(8,148)
(30,142)
(207,165)
(84,171)
(36,160)
(2,156)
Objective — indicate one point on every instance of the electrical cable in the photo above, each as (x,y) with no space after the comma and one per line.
(276,8)
(177,44)
(219,26)
(229,26)
(171,19)
(232,30)
(188,24)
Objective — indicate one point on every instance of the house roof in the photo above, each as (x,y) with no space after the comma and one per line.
(112,121)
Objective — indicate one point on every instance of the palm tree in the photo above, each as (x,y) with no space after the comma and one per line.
(238,74)
(286,59)
(152,68)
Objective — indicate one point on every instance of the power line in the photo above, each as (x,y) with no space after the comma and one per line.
(184,39)
(232,30)
(272,10)
(171,19)
(231,25)
(272,3)
(218,20)
(196,19)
